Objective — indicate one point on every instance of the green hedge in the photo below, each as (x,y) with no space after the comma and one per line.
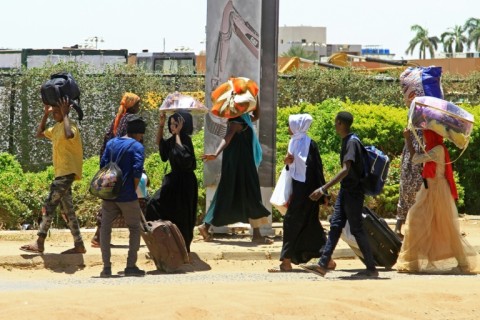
(316,84)
(378,125)
(375,100)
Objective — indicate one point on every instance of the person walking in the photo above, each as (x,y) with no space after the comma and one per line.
(303,234)
(126,204)
(349,203)
(238,197)
(432,241)
(410,182)
(67,164)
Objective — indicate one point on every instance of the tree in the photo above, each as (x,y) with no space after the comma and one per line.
(299,51)
(472,27)
(423,41)
(453,41)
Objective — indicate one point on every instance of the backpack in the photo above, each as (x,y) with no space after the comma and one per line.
(61,85)
(375,169)
(108,181)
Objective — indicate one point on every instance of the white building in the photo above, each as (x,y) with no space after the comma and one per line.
(313,39)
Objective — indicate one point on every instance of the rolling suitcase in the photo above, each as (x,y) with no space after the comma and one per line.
(385,244)
(165,244)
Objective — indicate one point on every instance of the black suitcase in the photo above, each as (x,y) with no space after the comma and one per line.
(385,244)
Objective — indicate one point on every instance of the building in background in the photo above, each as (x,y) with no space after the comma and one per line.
(312,39)
(33,58)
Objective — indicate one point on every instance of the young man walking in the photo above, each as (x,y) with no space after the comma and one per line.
(349,203)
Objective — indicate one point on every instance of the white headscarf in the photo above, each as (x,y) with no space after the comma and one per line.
(299,145)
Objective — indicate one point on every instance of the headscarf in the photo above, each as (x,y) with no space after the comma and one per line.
(299,145)
(187,128)
(128,100)
(257,148)
(433,139)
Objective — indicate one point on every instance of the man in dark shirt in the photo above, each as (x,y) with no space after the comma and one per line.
(132,157)
(349,204)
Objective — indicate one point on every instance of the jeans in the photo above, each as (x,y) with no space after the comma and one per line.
(349,207)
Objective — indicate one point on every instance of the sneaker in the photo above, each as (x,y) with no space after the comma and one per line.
(106,272)
(369,274)
(134,272)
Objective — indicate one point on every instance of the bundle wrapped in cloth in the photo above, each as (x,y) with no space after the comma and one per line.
(179,102)
(445,118)
(235,97)
(421,81)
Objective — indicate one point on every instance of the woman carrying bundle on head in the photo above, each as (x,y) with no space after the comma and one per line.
(433,242)
(177,198)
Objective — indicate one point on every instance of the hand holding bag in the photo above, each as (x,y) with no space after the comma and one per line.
(282,192)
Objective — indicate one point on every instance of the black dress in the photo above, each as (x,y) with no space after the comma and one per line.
(238,197)
(177,198)
(303,235)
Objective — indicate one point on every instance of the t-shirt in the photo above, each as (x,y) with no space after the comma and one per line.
(67,153)
(352,151)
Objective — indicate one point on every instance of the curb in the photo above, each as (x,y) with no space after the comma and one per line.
(57,260)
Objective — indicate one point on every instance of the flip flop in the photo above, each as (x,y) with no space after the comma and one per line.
(31,248)
(207,237)
(278,269)
(315,269)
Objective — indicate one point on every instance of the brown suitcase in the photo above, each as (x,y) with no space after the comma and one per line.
(165,243)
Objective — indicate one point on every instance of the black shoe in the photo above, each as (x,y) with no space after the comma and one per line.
(106,272)
(366,274)
(134,272)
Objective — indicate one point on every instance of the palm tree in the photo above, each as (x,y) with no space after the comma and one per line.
(454,40)
(472,27)
(423,41)
(299,51)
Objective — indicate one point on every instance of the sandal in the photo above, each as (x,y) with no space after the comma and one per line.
(32,248)
(207,237)
(315,269)
(278,269)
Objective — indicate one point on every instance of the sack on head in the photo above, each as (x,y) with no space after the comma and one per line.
(421,81)
(61,85)
(234,98)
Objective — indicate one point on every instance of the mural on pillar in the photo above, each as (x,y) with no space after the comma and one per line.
(233,49)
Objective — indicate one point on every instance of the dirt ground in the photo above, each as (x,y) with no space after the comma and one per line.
(238,290)
(225,288)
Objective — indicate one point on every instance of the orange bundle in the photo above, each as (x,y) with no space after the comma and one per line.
(235,97)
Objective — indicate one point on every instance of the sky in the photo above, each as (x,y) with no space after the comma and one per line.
(163,25)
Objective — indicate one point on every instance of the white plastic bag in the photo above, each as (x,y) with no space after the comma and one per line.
(282,192)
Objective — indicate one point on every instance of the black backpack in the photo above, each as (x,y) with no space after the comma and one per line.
(61,85)
(376,165)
